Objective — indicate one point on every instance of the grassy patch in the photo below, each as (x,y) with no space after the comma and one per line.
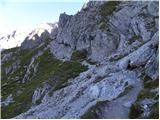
(39,101)
(25,57)
(20,105)
(135,111)
(146,78)
(154,114)
(126,90)
(8,63)
(102,25)
(108,8)
(133,39)
(79,55)
(145,94)
(47,64)
(67,70)
(10,50)
(151,84)
(48,68)
(6,66)
(148,85)
(92,113)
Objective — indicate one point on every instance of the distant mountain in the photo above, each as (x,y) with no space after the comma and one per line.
(15,38)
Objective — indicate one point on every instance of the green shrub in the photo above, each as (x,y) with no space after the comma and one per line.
(103,26)
(108,8)
(67,70)
(133,39)
(92,113)
(135,111)
(10,50)
(145,93)
(47,65)
(154,114)
(20,105)
(151,84)
(146,78)
(79,55)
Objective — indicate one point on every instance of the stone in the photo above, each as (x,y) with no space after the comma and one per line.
(7,101)
(94,92)
(153,8)
(127,104)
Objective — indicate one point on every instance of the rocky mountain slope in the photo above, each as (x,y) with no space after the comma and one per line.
(99,63)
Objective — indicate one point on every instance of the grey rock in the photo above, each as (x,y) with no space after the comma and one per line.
(41,94)
(94,92)
(6,57)
(7,101)
(127,104)
(153,8)
(12,68)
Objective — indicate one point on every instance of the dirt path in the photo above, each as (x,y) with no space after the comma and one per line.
(119,108)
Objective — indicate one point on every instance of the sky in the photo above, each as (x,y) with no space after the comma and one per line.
(21,13)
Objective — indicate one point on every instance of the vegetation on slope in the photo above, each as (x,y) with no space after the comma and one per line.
(133,39)
(92,113)
(48,67)
(137,109)
(108,8)
(79,55)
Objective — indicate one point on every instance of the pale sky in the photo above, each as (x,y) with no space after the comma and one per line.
(21,13)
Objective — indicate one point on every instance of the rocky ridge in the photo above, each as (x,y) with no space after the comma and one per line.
(99,63)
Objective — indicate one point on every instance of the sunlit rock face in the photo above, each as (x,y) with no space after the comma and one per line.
(103,34)
(99,63)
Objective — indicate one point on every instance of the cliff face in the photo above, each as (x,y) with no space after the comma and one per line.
(106,29)
(99,63)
